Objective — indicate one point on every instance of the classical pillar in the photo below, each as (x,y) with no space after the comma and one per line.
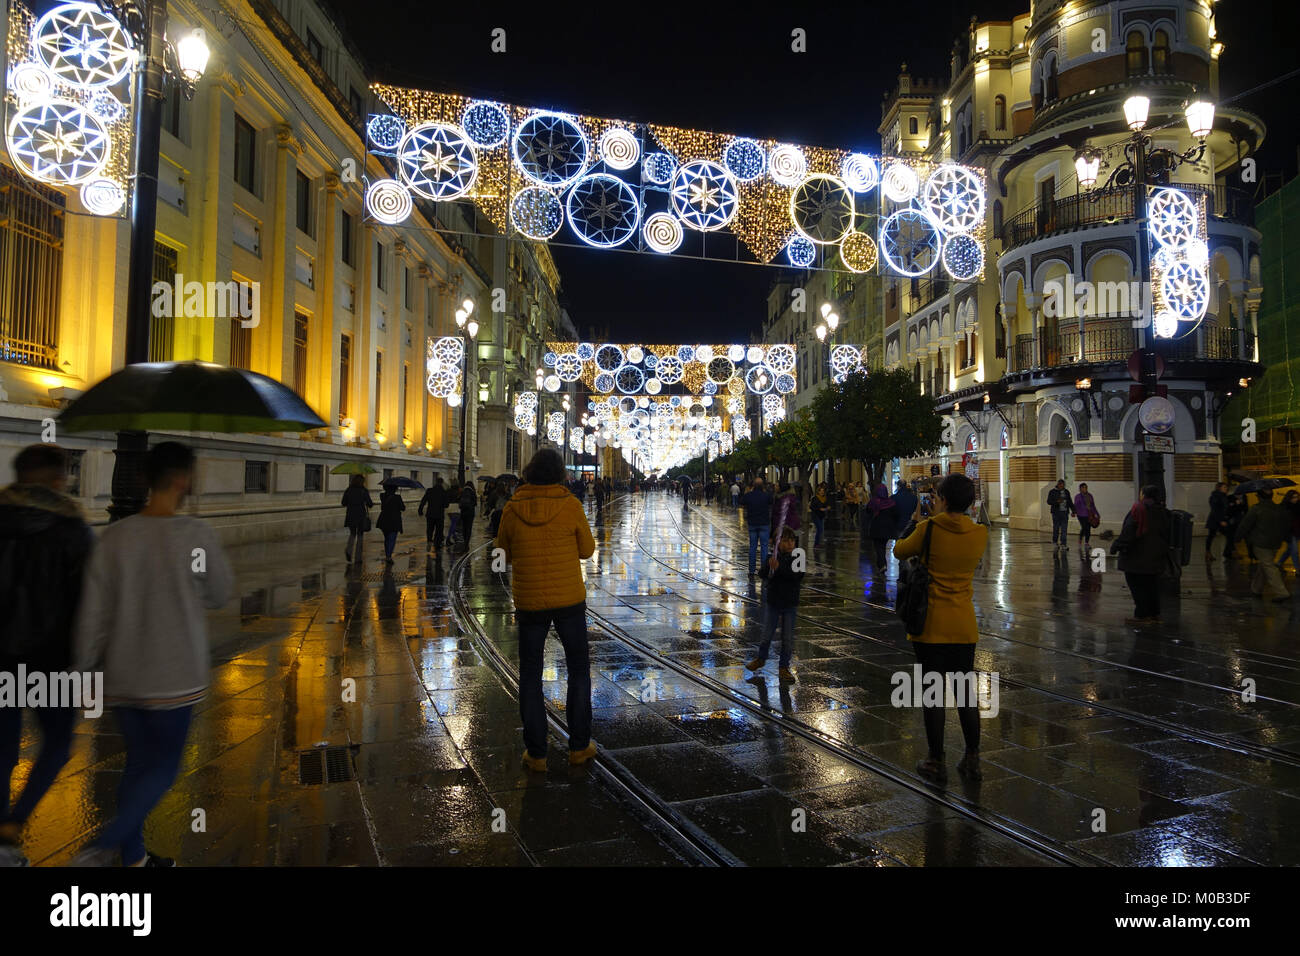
(323,340)
(363,345)
(213,133)
(273,338)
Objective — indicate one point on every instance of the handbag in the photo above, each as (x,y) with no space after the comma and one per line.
(1094,520)
(365,523)
(913,601)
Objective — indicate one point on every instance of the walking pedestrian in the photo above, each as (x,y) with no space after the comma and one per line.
(1264,529)
(851,503)
(1085,509)
(1291,504)
(817,512)
(905,501)
(545,536)
(433,505)
(1217,522)
(735,495)
(356,499)
(1060,507)
(391,507)
(780,604)
(946,645)
(44,546)
(787,510)
(468,506)
(1235,513)
(883,518)
(142,623)
(758,519)
(601,493)
(1143,549)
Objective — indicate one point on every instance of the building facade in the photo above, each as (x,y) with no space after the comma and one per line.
(261,184)
(1037,387)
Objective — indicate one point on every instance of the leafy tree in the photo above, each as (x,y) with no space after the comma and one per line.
(796,443)
(875,417)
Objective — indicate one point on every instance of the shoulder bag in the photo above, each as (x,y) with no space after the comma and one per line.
(913,600)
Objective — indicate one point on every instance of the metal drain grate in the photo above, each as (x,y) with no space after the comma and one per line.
(322,765)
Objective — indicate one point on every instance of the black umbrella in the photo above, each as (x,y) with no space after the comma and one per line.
(401,481)
(189,396)
(1252,487)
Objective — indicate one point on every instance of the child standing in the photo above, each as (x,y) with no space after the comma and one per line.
(781,601)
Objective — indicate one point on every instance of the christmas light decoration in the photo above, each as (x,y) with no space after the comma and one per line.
(603,210)
(963,257)
(745,159)
(704,195)
(635,354)
(662,232)
(609,358)
(30,81)
(551,383)
(83,46)
(568,367)
(102,197)
(860,172)
(1186,291)
(801,252)
(759,379)
(388,201)
(788,165)
(659,168)
(437,161)
(551,149)
(107,107)
(385,131)
(910,242)
(821,208)
(486,124)
(844,361)
(619,149)
(1172,218)
(899,182)
(57,141)
(781,358)
(754,354)
(555,428)
(954,198)
(858,252)
(536,212)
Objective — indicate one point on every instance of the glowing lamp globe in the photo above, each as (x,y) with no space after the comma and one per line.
(192,55)
(1086,168)
(1135,111)
(1200,118)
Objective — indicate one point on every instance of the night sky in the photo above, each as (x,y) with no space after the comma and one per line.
(682,65)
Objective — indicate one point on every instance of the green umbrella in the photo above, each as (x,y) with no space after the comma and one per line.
(353,468)
(189,396)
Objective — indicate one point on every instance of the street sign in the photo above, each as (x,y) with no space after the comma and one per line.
(1135,365)
(1159,444)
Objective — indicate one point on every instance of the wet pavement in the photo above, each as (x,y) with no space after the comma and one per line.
(1109,745)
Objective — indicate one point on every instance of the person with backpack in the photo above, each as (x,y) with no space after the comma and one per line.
(1060,507)
(44,546)
(946,644)
(780,604)
(434,500)
(468,505)
(1085,509)
(391,507)
(1143,549)
(786,513)
(356,517)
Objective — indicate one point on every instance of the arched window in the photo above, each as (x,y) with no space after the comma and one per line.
(911,126)
(1160,52)
(1000,113)
(1136,54)
(1050,92)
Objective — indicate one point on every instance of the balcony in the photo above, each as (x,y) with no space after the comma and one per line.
(925,291)
(1113,341)
(1109,206)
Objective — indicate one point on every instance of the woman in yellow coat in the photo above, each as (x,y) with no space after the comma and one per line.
(545,536)
(946,644)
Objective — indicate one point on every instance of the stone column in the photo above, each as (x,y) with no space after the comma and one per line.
(215,219)
(273,338)
(323,340)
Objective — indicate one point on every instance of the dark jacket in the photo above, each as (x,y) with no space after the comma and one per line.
(1146,553)
(783,584)
(758,508)
(44,546)
(357,500)
(468,499)
(435,499)
(391,507)
(1218,510)
(1266,526)
(904,503)
(1059,501)
(817,507)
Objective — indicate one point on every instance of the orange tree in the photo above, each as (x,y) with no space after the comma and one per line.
(874,417)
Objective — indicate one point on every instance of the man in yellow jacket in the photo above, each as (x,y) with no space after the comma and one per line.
(545,535)
(946,644)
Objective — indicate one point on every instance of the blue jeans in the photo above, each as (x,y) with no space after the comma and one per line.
(56,725)
(390,542)
(758,535)
(771,617)
(155,741)
(1293,551)
(1060,527)
(571,627)
(819,523)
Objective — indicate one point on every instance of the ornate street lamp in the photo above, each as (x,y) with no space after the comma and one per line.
(469,331)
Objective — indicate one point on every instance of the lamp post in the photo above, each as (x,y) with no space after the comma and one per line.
(160,61)
(539,379)
(469,331)
(564,437)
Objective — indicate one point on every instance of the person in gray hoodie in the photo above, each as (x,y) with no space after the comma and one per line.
(142,623)
(1265,529)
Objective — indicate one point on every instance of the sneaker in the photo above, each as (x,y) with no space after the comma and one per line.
(95,856)
(756,664)
(535,764)
(932,770)
(785,675)
(577,757)
(969,767)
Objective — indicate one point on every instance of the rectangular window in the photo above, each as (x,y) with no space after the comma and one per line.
(345,239)
(257,476)
(300,353)
(345,374)
(304,197)
(245,154)
(381,268)
(315,49)
(379,391)
(241,344)
(173,105)
(31,270)
(406,373)
(162,328)
(313,478)
(388,473)
(415,475)
(355,101)
(408,288)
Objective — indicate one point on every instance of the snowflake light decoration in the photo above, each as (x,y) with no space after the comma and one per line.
(486,124)
(57,141)
(437,161)
(1172,217)
(745,159)
(821,208)
(609,358)
(551,149)
(844,361)
(83,46)
(536,212)
(899,182)
(1186,291)
(568,367)
(704,195)
(910,242)
(603,210)
(954,198)
(760,379)
(781,358)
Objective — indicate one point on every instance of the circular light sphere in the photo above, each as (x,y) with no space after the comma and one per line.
(963,257)
(704,353)
(536,212)
(619,148)
(736,353)
(83,46)
(670,370)
(860,172)
(568,366)
(485,124)
(662,232)
(635,354)
(388,201)
(800,251)
(585,351)
(659,168)
(720,370)
(745,159)
(821,208)
(437,161)
(858,252)
(551,383)
(604,382)
(910,242)
(704,195)
(603,210)
(385,131)
(1172,217)
(685,353)
(954,197)
(551,149)
(788,165)
(781,358)
(1165,324)
(609,358)
(899,182)
(759,380)
(103,197)
(754,355)
(57,141)
(1186,291)
(653,386)
(785,383)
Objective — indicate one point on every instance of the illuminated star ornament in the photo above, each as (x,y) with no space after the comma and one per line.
(704,195)
(437,161)
(910,241)
(58,142)
(83,46)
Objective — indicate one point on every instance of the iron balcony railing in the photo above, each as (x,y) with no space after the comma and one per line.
(1116,341)
(1109,206)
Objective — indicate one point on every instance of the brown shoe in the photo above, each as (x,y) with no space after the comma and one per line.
(578,757)
(535,764)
